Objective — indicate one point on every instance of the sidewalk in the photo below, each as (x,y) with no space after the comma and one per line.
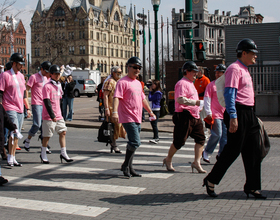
(88,118)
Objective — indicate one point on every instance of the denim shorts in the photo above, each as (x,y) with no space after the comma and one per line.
(16,118)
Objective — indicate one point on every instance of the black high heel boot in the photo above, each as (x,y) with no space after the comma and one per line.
(254,193)
(44,161)
(125,164)
(209,191)
(64,158)
(131,170)
(125,171)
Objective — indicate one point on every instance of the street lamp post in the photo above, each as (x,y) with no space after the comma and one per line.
(156,4)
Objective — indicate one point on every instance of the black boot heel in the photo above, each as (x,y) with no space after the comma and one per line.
(64,158)
(256,195)
(125,171)
(209,191)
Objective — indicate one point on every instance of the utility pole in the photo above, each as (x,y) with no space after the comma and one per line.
(168,40)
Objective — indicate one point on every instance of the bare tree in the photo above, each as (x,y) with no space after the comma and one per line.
(6,7)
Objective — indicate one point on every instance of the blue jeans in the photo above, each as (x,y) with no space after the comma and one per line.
(218,134)
(133,135)
(17,119)
(37,119)
(154,124)
(67,101)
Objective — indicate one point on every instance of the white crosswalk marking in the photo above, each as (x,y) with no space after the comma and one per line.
(76,185)
(64,208)
(159,147)
(118,172)
(155,154)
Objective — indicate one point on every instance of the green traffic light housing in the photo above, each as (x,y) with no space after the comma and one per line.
(200,48)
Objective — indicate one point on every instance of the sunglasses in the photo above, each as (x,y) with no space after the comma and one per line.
(136,68)
(119,72)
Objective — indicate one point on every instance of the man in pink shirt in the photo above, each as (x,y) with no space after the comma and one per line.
(214,111)
(128,103)
(186,118)
(36,83)
(242,124)
(12,96)
(52,117)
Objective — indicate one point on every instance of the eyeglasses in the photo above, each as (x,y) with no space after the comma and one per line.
(119,72)
(136,67)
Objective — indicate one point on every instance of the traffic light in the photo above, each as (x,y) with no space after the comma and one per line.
(200,51)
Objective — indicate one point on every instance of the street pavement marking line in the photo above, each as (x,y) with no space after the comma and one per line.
(56,207)
(76,185)
(165,142)
(73,169)
(154,154)
(156,146)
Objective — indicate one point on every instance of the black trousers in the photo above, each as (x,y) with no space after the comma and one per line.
(244,141)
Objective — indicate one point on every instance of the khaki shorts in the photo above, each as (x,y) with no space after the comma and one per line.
(49,127)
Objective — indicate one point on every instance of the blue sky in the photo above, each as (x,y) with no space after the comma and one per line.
(269,8)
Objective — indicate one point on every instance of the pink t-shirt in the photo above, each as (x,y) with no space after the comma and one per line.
(131,96)
(50,91)
(36,83)
(216,108)
(237,76)
(12,98)
(186,88)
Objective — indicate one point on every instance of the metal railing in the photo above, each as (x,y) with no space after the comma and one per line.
(266,79)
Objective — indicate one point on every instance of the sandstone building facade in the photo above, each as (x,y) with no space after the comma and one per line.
(93,34)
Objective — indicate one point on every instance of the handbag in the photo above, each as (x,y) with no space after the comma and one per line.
(264,144)
(163,108)
(106,132)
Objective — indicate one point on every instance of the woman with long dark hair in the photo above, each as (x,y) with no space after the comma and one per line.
(155,95)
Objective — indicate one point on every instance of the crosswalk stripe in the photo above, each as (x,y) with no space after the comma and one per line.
(56,207)
(165,142)
(76,185)
(155,146)
(153,154)
(118,172)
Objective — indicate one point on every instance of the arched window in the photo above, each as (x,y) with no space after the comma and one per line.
(116,17)
(59,12)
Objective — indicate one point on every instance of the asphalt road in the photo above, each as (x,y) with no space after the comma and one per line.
(93,185)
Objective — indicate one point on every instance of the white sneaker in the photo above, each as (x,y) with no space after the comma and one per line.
(26,144)
(154,141)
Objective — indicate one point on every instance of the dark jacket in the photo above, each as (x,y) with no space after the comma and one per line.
(5,122)
(68,89)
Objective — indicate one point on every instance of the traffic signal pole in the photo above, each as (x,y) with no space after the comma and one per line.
(188,33)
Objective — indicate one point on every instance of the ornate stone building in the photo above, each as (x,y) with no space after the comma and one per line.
(211,27)
(12,40)
(94,34)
